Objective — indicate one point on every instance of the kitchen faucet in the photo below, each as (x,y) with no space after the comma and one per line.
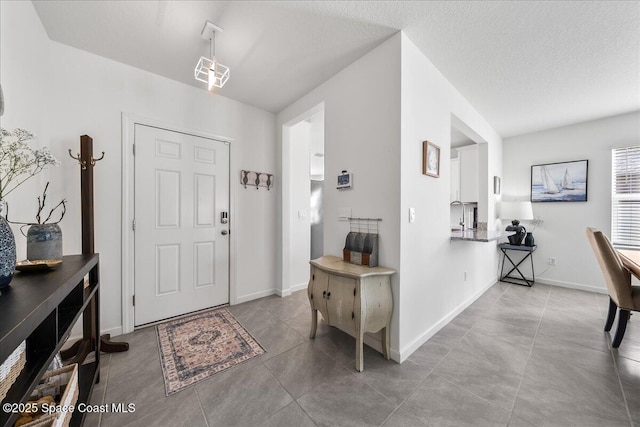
(458,202)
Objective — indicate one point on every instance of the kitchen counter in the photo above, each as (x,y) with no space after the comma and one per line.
(477,235)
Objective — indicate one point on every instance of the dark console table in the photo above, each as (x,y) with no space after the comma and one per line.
(528,251)
(42,308)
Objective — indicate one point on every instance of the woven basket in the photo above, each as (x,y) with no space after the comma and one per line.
(11,368)
(45,421)
(67,377)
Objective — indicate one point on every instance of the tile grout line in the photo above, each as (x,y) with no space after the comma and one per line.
(412,391)
(206,421)
(615,364)
(533,343)
(431,371)
(380,393)
(624,395)
(104,394)
(398,409)
(357,379)
(475,395)
(293,399)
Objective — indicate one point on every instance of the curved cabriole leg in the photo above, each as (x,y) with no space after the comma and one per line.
(622,326)
(359,349)
(385,343)
(314,323)
(611,315)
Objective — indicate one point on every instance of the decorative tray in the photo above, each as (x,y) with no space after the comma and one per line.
(36,265)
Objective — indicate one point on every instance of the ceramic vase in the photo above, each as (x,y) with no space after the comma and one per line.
(529,240)
(44,241)
(7,250)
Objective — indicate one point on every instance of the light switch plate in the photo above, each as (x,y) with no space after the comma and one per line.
(412,215)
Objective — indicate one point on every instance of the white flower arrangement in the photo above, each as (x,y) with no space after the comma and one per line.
(19,161)
(537,221)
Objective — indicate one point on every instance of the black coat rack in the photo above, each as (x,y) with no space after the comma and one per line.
(80,349)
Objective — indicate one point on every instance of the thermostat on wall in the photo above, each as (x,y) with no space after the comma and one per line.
(345,180)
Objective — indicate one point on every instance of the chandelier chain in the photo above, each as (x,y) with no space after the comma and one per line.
(212,44)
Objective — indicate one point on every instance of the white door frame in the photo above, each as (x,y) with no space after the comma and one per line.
(128,192)
(285,258)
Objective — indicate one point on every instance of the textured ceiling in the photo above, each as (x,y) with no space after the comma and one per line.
(523,65)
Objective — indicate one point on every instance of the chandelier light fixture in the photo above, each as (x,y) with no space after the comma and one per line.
(209,70)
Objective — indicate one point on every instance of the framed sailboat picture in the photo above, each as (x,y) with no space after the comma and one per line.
(559,182)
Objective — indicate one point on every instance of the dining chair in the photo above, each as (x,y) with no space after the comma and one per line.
(617,270)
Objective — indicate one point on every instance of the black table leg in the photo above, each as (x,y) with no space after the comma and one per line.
(528,283)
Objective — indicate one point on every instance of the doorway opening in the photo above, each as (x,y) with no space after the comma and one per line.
(177,206)
(469,178)
(302,197)
(181,245)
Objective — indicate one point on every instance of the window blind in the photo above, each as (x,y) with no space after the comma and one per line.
(625,194)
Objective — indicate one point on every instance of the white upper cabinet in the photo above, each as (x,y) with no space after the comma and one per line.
(469,164)
(455,179)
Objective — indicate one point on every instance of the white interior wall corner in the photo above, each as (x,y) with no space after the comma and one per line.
(432,284)
(562,234)
(300,193)
(362,135)
(72,104)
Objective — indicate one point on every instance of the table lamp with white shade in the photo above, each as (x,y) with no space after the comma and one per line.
(515,211)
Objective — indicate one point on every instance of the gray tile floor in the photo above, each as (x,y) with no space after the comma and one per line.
(517,356)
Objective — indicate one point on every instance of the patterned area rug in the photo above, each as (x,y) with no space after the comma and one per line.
(196,347)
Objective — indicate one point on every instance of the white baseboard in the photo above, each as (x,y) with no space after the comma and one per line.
(114,332)
(404,353)
(300,286)
(283,292)
(294,288)
(256,295)
(571,285)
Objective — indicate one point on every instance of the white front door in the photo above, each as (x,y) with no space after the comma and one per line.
(181,237)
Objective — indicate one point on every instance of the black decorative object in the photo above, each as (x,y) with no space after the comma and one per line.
(516,239)
(515,211)
(529,240)
(361,245)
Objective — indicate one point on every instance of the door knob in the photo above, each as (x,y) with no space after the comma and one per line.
(224,232)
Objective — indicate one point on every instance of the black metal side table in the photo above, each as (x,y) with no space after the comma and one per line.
(504,247)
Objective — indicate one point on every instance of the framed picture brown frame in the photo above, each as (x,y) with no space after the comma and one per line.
(430,159)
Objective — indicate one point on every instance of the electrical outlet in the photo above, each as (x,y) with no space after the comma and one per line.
(552,260)
(412,215)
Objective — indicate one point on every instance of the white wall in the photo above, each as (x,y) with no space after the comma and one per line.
(362,135)
(432,289)
(300,187)
(86,95)
(377,113)
(563,233)
(317,146)
(23,57)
